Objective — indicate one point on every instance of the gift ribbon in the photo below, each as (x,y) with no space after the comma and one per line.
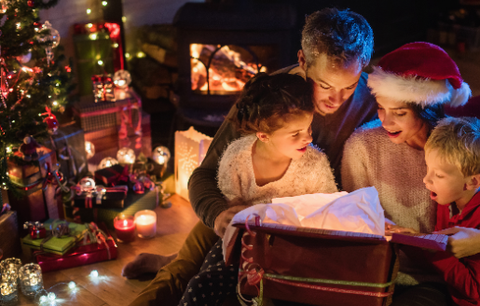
(103,84)
(96,235)
(255,275)
(58,229)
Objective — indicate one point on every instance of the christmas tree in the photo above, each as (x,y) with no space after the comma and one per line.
(34,82)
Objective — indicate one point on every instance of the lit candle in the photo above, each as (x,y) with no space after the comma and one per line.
(8,294)
(146,223)
(124,228)
(31,279)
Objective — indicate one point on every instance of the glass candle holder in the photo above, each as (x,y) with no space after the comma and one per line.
(9,269)
(30,277)
(146,223)
(124,227)
(8,293)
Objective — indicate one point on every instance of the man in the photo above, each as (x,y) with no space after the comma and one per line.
(336,46)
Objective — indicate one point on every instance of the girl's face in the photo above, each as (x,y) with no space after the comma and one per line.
(292,139)
(401,123)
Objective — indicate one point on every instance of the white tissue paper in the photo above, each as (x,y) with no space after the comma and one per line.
(359,211)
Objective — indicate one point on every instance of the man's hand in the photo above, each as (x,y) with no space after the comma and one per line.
(224,218)
(463,241)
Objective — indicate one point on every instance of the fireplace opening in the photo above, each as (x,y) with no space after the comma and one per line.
(221,47)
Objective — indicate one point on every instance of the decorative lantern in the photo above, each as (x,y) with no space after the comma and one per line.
(122,79)
(9,269)
(126,156)
(89,149)
(8,293)
(31,280)
(107,162)
(190,150)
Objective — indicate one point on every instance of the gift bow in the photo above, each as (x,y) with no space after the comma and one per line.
(95,235)
(96,191)
(58,228)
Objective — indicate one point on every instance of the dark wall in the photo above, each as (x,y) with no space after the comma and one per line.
(394,22)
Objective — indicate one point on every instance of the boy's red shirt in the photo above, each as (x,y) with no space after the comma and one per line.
(462,275)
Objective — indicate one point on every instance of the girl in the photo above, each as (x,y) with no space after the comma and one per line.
(274,159)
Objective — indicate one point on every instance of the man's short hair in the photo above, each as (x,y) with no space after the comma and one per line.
(342,35)
(458,142)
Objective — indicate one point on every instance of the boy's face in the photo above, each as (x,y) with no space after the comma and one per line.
(333,84)
(445,181)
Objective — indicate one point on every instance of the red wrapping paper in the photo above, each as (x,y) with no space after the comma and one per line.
(78,256)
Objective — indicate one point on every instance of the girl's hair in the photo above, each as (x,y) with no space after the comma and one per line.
(430,114)
(266,102)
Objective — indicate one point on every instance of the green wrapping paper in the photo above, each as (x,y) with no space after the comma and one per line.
(56,245)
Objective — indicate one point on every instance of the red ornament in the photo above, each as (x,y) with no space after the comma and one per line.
(51,121)
(31,3)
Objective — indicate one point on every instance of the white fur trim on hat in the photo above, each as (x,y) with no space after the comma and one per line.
(415,89)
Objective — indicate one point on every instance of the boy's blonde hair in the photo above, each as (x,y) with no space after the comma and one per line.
(458,142)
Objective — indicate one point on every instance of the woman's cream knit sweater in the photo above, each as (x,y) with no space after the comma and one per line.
(309,174)
(370,158)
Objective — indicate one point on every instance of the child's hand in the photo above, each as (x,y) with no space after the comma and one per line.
(224,218)
(393,228)
(463,241)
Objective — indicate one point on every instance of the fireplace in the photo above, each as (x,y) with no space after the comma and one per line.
(220,47)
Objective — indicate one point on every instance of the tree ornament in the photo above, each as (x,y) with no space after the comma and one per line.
(122,79)
(51,121)
(3,6)
(3,80)
(52,38)
(31,3)
(25,58)
(29,148)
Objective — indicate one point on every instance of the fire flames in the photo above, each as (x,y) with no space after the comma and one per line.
(229,68)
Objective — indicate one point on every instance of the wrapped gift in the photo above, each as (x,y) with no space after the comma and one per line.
(96,116)
(34,180)
(190,150)
(57,242)
(357,269)
(111,176)
(105,197)
(83,253)
(103,88)
(132,203)
(69,144)
(10,240)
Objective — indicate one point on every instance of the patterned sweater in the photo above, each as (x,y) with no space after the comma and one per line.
(309,174)
(370,158)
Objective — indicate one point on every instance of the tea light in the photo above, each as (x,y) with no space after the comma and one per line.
(9,269)
(124,227)
(126,156)
(8,293)
(31,279)
(146,223)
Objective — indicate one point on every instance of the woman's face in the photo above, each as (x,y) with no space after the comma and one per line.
(401,123)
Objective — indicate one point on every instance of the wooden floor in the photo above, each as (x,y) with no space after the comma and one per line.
(111,288)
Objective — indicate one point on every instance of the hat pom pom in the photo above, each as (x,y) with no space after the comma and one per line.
(461,95)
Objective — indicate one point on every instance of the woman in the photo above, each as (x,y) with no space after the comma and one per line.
(411,85)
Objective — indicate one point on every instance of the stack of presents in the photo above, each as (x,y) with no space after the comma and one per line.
(65,182)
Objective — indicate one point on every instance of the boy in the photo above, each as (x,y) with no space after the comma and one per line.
(452,155)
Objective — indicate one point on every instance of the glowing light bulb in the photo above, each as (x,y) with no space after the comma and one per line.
(72,285)
(100,62)
(43,299)
(92,36)
(104,3)
(51,296)
(55,103)
(124,19)
(89,11)
(89,25)
(94,273)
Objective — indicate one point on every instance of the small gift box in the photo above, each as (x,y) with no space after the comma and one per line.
(111,176)
(59,240)
(103,88)
(99,196)
(102,248)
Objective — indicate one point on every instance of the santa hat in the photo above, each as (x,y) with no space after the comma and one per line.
(422,73)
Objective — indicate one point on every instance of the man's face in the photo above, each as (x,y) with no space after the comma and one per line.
(333,83)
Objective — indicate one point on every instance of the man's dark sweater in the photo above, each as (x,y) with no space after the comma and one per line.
(329,133)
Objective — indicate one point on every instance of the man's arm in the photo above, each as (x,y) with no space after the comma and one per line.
(205,197)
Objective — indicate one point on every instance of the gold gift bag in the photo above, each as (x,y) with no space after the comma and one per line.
(190,149)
